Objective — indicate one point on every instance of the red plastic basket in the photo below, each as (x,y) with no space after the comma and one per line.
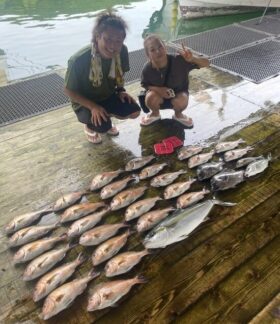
(174,141)
(163,148)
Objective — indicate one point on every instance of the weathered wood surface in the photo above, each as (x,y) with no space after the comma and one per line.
(227,271)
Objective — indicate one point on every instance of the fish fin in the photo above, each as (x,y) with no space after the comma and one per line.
(141,279)
(81,258)
(93,274)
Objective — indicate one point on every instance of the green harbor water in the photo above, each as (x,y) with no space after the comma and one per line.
(38,35)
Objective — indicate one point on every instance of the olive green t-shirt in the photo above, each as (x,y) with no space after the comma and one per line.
(77,75)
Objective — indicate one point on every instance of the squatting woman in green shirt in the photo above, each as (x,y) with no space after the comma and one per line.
(94,79)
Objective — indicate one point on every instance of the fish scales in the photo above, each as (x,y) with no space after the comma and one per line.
(191,198)
(166,178)
(67,200)
(24,220)
(177,189)
(44,263)
(200,159)
(149,220)
(109,248)
(108,293)
(151,171)
(32,250)
(113,188)
(138,163)
(63,296)
(56,278)
(140,207)
(100,233)
(123,262)
(103,179)
(126,197)
(80,210)
(187,151)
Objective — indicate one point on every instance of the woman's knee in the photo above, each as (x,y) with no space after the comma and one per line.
(134,115)
(153,100)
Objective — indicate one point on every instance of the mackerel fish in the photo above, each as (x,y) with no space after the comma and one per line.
(150,219)
(123,262)
(200,159)
(62,297)
(245,161)
(186,152)
(43,263)
(100,234)
(24,220)
(108,293)
(29,234)
(237,153)
(68,200)
(177,227)
(56,278)
(226,146)
(103,179)
(138,163)
(140,207)
(207,170)
(31,250)
(113,188)
(166,178)
(191,198)
(257,166)
(177,189)
(109,248)
(151,171)
(84,224)
(80,210)
(126,197)
(227,179)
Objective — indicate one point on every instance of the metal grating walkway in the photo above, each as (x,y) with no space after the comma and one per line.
(31,97)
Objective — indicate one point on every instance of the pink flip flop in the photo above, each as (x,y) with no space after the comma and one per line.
(92,136)
(148,120)
(185,120)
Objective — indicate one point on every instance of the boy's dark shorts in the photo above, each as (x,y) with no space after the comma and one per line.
(114,106)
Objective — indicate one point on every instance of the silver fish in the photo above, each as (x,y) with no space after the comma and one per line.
(109,248)
(30,234)
(207,170)
(126,197)
(24,220)
(56,278)
(103,179)
(82,225)
(138,163)
(227,179)
(108,293)
(166,178)
(123,262)
(200,159)
(80,210)
(140,207)
(32,250)
(257,166)
(152,170)
(68,200)
(177,189)
(113,188)
(149,220)
(245,161)
(100,234)
(62,297)
(191,198)
(236,154)
(43,263)
(179,226)
(187,151)
(226,146)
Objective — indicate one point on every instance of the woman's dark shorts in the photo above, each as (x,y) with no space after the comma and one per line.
(114,106)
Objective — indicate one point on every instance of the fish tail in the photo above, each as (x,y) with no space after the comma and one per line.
(71,245)
(93,274)
(140,279)
(241,141)
(81,258)
(63,237)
